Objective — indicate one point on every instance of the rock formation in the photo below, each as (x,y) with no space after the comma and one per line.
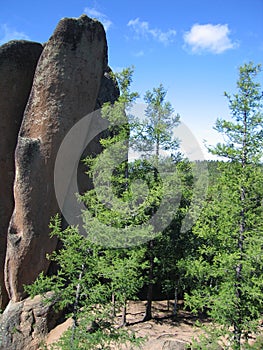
(41,98)
(24,324)
(18,61)
(65,88)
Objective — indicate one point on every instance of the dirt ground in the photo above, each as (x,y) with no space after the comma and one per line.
(160,330)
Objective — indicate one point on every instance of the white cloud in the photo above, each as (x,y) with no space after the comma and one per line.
(7,34)
(92,12)
(142,29)
(139,53)
(209,38)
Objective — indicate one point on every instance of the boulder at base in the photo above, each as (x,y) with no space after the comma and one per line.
(24,324)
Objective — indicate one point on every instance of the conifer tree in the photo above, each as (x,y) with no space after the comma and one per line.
(227,268)
(117,210)
(153,137)
(80,288)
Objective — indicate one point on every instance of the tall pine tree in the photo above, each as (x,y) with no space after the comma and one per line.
(227,268)
(153,137)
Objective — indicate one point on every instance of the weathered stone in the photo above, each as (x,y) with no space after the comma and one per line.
(65,89)
(109,92)
(18,60)
(162,343)
(25,324)
(175,345)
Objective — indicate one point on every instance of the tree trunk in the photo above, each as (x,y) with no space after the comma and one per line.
(237,338)
(75,308)
(113,304)
(124,313)
(175,308)
(148,311)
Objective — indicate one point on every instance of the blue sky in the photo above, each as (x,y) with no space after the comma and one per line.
(193,47)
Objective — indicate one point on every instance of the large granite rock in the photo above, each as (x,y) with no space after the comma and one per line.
(25,324)
(18,60)
(65,89)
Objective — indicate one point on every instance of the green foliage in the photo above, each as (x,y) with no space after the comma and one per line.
(155,133)
(78,255)
(124,269)
(246,110)
(95,331)
(83,287)
(153,138)
(120,205)
(226,268)
(124,79)
(173,245)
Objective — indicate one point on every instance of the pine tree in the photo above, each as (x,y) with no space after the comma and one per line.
(117,210)
(154,134)
(124,272)
(153,137)
(227,269)
(80,288)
